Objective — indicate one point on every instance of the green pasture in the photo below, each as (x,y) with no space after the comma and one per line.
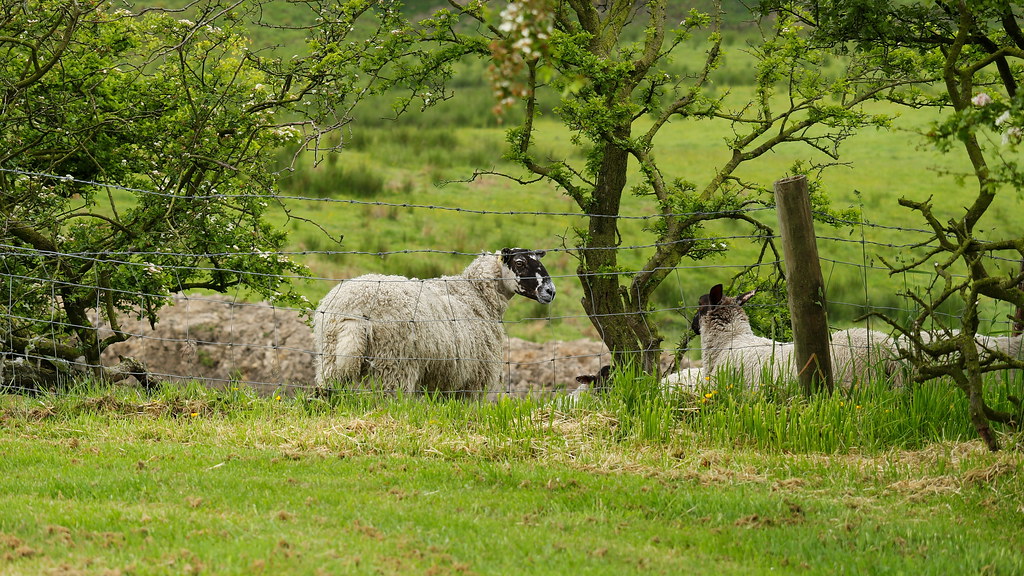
(196,481)
(428,161)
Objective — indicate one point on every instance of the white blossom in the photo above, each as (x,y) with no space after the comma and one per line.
(1012,134)
(981,99)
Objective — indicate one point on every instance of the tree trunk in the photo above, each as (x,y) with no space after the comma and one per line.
(604,298)
(976,410)
(971,369)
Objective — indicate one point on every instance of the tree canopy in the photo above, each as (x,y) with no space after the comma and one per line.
(136,156)
(608,67)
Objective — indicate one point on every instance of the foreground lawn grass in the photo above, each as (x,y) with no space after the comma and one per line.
(121,485)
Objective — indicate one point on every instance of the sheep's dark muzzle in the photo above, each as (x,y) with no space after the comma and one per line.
(546,292)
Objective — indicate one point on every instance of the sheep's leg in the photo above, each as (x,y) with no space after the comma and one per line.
(343,353)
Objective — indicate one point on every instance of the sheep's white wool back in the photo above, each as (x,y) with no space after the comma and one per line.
(424,336)
(859,354)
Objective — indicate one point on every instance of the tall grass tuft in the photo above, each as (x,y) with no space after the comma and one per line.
(509,417)
(642,410)
(870,416)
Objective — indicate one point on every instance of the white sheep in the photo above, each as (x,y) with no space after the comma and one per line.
(1010,346)
(727,342)
(437,335)
(861,354)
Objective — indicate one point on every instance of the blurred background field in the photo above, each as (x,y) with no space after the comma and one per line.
(401,197)
(428,160)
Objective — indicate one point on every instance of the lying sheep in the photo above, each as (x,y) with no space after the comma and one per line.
(999,349)
(687,379)
(727,342)
(994,346)
(597,381)
(442,334)
(861,354)
(590,382)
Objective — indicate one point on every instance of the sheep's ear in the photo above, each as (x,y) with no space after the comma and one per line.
(715,294)
(742,298)
(540,253)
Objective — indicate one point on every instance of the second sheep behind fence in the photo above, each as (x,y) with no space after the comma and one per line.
(728,343)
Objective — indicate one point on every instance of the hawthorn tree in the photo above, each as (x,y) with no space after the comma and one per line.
(136,154)
(608,67)
(972,51)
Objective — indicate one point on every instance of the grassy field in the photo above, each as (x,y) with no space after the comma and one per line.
(192,481)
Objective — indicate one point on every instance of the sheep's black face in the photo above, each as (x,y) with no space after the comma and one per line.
(529,274)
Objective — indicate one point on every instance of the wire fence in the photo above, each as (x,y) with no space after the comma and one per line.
(228,340)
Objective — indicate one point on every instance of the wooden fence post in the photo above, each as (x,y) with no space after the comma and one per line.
(1018,315)
(805,287)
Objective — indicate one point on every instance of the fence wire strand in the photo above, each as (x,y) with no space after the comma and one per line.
(225,340)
